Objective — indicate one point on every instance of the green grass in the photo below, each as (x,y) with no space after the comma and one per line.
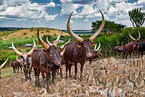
(8,72)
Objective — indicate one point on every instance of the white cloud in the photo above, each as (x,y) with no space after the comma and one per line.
(141,2)
(51,4)
(24,9)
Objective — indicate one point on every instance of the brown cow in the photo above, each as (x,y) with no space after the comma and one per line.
(131,46)
(143,41)
(45,60)
(118,49)
(96,53)
(16,65)
(3,66)
(26,61)
(78,51)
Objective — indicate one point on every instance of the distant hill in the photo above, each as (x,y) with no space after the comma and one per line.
(10,28)
(28,32)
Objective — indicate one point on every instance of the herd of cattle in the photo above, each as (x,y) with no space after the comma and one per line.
(131,47)
(49,60)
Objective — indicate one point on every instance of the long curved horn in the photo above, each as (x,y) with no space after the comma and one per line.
(65,44)
(62,52)
(4,63)
(45,45)
(71,32)
(100,29)
(48,41)
(34,47)
(131,37)
(16,51)
(56,41)
(97,48)
(138,36)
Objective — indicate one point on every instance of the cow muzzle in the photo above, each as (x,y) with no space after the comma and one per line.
(57,63)
(88,55)
(25,63)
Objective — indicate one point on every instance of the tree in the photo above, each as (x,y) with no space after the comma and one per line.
(136,17)
(109,26)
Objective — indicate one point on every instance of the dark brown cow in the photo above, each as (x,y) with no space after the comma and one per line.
(59,49)
(16,65)
(78,51)
(96,53)
(44,60)
(118,49)
(3,66)
(26,61)
(143,41)
(131,46)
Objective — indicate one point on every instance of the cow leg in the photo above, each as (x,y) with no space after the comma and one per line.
(76,69)
(42,69)
(21,70)
(141,53)
(82,65)
(70,70)
(38,82)
(90,61)
(18,70)
(26,75)
(50,78)
(14,70)
(58,72)
(66,62)
(130,54)
(53,76)
(30,73)
(35,73)
(47,78)
(61,73)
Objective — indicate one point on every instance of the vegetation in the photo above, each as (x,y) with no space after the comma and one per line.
(106,40)
(137,17)
(109,26)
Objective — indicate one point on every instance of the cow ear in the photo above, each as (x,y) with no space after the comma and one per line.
(45,51)
(79,45)
(93,43)
(28,55)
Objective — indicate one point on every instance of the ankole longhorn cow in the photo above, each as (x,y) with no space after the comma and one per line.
(16,65)
(45,61)
(96,53)
(77,51)
(131,46)
(26,60)
(3,66)
(118,49)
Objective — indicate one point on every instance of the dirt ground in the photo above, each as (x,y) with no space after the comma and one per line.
(104,78)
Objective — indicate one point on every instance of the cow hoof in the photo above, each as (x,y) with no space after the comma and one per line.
(70,76)
(75,77)
(81,79)
(48,91)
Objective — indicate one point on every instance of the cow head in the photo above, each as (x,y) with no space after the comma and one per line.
(51,52)
(136,41)
(85,43)
(23,56)
(59,49)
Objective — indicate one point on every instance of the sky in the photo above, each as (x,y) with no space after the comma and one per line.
(54,13)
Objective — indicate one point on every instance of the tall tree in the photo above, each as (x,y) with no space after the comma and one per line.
(109,26)
(136,17)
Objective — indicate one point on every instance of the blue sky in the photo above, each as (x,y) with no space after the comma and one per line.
(54,13)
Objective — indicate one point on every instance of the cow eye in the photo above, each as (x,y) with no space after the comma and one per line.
(51,55)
